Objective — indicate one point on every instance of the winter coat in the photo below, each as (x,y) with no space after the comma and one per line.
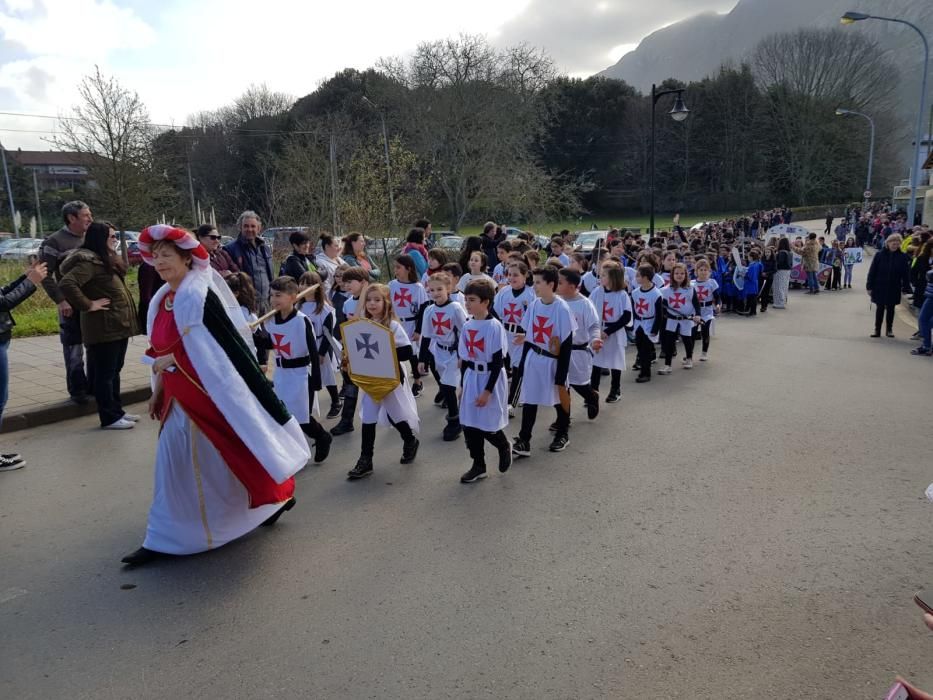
(490,247)
(810,256)
(374,272)
(11,296)
(296,265)
(84,279)
(888,277)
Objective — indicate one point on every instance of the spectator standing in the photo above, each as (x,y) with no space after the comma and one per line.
(888,276)
(783,263)
(77,218)
(11,296)
(355,255)
(93,283)
(220,258)
(810,257)
(251,254)
(299,261)
(329,261)
(415,248)
(492,236)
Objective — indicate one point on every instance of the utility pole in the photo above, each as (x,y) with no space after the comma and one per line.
(333,177)
(35,187)
(9,191)
(385,143)
(194,211)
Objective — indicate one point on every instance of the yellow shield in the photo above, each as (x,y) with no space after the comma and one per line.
(369,349)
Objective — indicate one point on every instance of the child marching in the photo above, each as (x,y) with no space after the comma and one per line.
(408,298)
(586,338)
(355,280)
(510,306)
(440,332)
(681,312)
(398,408)
(484,413)
(612,303)
(707,290)
(648,314)
(324,319)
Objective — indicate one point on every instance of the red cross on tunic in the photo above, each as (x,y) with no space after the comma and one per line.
(280,347)
(702,293)
(607,311)
(540,329)
(440,323)
(402,297)
(641,307)
(677,300)
(513,313)
(472,344)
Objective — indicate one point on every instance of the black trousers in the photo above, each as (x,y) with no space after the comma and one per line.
(368,445)
(668,338)
(313,429)
(765,295)
(833,278)
(105,360)
(704,333)
(530,415)
(475,442)
(884,312)
(615,386)
(645,349)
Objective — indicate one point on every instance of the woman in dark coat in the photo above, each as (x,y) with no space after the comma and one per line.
(888,277)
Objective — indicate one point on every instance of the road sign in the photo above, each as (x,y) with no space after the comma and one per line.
(867,194)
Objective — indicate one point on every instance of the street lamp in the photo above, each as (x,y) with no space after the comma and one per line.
(871,147)
(678,114)
(385,143)
(852,17)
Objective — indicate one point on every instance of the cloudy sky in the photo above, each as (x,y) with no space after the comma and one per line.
(183,56)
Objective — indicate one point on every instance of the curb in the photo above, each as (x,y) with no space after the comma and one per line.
(64,411)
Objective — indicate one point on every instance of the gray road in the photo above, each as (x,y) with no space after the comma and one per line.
(753,528)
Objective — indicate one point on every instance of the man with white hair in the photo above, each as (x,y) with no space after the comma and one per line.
(251,254)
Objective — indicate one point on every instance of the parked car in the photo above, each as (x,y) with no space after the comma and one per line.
(8,243)
(133,256)
(450,243)
(277,236)
(585,241)
(24,248)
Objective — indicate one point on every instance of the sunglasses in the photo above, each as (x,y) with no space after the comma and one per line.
(213,237)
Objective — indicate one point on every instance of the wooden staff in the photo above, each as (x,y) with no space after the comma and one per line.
(265,317)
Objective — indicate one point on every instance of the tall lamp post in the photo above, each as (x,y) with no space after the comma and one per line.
(850,18)
(385,143)
(678,114)
(871,148)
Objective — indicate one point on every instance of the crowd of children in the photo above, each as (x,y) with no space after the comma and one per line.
(520,336)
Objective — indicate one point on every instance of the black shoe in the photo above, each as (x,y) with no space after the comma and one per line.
(889,334)
(343,427)
(475,474)
(80,399)
(505,458)
(409,451)
(142,556)
(642,379)
(636,367)
(604,372)
(322,448)
(335,409)
(452,430)
(363,468)
(592,408)
(876,334)
(614,396)
(417,389)
(561,440)
(439,399)
(520,448)
(273,519)
(11,462)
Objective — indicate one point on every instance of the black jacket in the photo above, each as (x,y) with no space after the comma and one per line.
(12,296)
(888,277)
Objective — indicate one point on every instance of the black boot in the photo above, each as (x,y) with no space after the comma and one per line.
(322,446)
(452,430)
(335,408)
(363,468)
(272,519)
(142,556)
(345,425)
(477,472)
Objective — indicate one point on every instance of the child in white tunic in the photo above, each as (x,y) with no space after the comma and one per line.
(510,305)
(707,290)
(500,273)
(398,409)
(297,377)
(483,405)
(355,280)
(681,314)
(324,319)
(440,330)
(545,363)
(585,339)
(408,301)
(613,305)
(648,314)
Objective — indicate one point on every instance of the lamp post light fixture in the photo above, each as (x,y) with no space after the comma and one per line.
(852,17)
(871,147)
(678,113)
(385,143)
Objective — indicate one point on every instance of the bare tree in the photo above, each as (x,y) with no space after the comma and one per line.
(111,128)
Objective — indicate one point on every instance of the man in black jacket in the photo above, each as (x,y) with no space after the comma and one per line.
(11,296)
(77,218)
(492,236)
(251,254)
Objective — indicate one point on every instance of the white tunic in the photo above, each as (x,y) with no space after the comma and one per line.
(399,406)
(589,282)
(500,275)
(469,277)
(586,331)
(350,305)
(407,299)
(290,342)
(441,325)
(511,308)
(330,367)
(547,326)
(706,296)
(644,305)
(679,309)
(479,342)
(611,306)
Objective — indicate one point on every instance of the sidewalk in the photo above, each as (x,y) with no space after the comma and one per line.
(37,382)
